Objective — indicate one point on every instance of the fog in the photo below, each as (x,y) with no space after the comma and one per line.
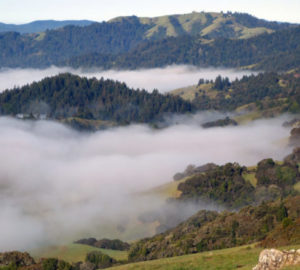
(163,79)
(57,184)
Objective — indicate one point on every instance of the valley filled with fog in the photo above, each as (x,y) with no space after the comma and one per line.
(58,184)
(163,79)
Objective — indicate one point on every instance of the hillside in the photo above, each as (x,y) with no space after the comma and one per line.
(255,96)
(107,39)
(40,26)
(277,51)
(210,25)
(208,230)
(68,96)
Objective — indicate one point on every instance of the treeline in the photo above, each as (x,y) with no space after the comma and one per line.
(67,95)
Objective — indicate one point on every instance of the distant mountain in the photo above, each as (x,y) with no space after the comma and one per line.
(41,26)
(207,24)
(129,34)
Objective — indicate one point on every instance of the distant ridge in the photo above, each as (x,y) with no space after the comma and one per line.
(41,26)
(133,35)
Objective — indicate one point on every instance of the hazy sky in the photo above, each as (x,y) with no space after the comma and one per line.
(20,11)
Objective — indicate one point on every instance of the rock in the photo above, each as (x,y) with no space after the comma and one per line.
(15,257)
(272,259)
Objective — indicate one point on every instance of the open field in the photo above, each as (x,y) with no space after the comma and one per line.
(243,258)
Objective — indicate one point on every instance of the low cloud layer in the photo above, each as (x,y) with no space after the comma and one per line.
(163,79)
(57,184)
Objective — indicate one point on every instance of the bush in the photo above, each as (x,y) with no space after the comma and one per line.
(99,259)
(50,264)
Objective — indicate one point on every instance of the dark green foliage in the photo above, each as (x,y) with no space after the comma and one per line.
(284,176)
(54,264)
(281,212)
(114,244)
(224,185)
(221,83)
(99,259)
(220,123)
(68,95)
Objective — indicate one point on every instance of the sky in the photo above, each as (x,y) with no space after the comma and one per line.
(23,11)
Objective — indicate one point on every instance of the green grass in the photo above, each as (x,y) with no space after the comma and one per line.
(187,93)
(168,190)
(244,258)
(74,252)
(250,177)
(251,32)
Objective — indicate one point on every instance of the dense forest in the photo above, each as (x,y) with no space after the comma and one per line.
(132,42)
(67,95)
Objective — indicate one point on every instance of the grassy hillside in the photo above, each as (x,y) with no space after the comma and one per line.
(74,252)
(251,97)
(244,258)
(207,24)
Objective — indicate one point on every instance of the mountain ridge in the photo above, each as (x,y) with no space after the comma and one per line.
(128,34)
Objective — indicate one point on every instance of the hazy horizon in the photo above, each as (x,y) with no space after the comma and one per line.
(17,11)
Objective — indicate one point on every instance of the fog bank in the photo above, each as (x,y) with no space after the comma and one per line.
(163,79)
(57,184)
